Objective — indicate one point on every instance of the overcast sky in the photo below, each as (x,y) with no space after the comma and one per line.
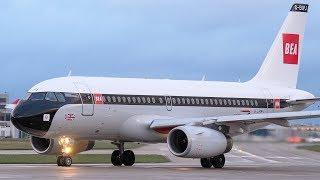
(176,39)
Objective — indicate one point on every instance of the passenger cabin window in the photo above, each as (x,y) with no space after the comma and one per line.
(216,102)
(37,96)
(72,98)
(129,100)
(173,100)
(160,100)
(225,102)
(60,97)
(197,101)
(109,99)
(234,102)
(251,103)
(86,99)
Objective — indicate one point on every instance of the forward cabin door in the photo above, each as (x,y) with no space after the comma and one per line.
(86,98)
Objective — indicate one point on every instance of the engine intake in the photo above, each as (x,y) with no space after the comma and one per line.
(51,146)
(198,142)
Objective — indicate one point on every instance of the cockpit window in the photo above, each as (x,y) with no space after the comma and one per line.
(60,97)
(27,96)
(37,96)
(51,97)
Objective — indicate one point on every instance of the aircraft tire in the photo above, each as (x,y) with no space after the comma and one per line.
(205,163)
(128,158)
(218,161)
(116,159)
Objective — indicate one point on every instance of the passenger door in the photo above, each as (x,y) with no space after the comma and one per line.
(86,98)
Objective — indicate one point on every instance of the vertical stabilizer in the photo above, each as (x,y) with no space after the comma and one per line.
(281,65)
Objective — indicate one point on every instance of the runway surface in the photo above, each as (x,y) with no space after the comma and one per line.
(246,161)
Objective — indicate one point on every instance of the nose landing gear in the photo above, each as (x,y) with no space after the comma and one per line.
(65,159)
(121,156)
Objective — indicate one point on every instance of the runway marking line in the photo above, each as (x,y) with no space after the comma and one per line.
(256,156)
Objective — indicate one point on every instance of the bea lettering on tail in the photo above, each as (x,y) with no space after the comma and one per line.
(290,48)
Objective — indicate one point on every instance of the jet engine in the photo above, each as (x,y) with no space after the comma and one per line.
(52,146)
(198,142)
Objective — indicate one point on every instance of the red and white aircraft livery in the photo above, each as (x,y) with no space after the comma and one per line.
(197,119)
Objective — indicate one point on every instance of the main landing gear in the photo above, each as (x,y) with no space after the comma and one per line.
(216,162)
(121,156)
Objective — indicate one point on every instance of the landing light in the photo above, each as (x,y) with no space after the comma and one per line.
(64,141)
(67,150)
(66,144)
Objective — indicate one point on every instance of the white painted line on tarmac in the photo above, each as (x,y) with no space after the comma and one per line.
(256,156)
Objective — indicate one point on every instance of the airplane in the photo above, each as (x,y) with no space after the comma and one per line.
(197,119)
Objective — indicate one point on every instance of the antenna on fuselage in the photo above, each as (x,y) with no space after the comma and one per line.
(203,78)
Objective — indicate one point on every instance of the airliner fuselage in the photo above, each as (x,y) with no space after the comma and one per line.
(102,108)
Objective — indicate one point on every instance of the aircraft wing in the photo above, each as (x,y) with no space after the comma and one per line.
(303,101)
(280,118)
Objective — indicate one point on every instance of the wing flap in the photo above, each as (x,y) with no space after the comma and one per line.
(267,116)
(280,118)
(303,101)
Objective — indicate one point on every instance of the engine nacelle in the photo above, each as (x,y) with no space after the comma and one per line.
(51,146)
(198,142)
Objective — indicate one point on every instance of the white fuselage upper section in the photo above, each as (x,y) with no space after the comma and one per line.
(164,87)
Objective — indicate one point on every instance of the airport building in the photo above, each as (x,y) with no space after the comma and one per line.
(7,129)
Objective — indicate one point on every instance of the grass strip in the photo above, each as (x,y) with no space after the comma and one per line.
(315,147)
(78,159)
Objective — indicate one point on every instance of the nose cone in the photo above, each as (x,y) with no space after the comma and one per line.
(33,117)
